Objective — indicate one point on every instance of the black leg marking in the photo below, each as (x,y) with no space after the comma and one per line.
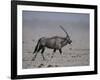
(60,51)
(54,50)
(53,53)
(36,47)
(42,50)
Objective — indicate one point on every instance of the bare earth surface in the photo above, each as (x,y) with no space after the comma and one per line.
(69,57)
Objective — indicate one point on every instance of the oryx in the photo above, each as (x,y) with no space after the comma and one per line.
(55,43)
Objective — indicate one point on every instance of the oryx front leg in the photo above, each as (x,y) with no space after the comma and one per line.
(60,51)
(53,53)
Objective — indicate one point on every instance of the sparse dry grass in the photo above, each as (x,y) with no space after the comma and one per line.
(68,58)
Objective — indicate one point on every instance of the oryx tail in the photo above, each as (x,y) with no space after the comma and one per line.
(37,46)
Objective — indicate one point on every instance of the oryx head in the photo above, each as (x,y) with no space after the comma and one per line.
(67,36)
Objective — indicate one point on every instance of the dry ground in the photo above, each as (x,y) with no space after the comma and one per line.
(74,57)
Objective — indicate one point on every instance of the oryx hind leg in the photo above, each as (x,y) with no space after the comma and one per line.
(36,53)
(43,49)
(34,56)
(40,47)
